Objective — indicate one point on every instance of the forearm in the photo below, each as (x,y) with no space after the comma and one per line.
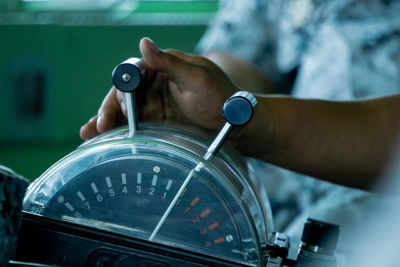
(243,74)
(343,142)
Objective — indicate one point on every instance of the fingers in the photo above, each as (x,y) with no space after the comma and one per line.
(171,65)
(121,105)
(88,130)
(106,117)
(193,59)
(108,112)
(175,80)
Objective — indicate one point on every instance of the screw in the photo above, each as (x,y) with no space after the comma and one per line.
(126,77)
(156,169)
(60,199)
(229,238)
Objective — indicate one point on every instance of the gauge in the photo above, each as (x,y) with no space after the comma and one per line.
(124,185)
(130,195)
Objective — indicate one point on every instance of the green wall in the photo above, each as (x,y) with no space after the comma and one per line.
(53,79)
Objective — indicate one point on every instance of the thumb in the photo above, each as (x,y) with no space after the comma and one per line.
(172,66)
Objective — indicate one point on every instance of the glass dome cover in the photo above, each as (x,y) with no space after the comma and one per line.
(124,185)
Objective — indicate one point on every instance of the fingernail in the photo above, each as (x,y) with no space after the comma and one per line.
(82,132)
(153,46)
(99,119)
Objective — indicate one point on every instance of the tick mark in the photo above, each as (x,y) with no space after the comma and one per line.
(94,187)
(213,226)
(194,201)
(123,178)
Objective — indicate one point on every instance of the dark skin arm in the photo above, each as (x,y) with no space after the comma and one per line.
(243,74)
(347,143)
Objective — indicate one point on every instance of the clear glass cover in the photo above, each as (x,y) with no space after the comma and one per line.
(124,185)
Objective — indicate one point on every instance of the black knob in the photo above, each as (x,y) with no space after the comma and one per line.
(129,75)
(321,235)
(239,108)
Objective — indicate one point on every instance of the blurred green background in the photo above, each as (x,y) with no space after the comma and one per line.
(56,60)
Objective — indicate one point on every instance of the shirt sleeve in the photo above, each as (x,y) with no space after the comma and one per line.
(354,54)
(244,29)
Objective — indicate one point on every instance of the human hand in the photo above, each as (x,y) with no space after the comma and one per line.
(179,87)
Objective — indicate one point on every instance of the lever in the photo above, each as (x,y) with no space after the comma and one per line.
(238,110)
(127,77)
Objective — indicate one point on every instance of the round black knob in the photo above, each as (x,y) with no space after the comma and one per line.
(128,75)
(238,109)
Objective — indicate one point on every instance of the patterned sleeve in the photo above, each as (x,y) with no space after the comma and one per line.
(353,54)
(243,28)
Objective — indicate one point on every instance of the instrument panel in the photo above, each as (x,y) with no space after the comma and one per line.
(124,185)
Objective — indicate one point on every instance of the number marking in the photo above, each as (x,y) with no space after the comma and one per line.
(81,196)
(138,189)
(151,191)
(108,181)
(109,185)
(123,178)
(111,192)
(196,220)
(94,187)
(125,190)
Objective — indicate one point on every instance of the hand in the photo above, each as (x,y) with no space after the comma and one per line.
(179,87)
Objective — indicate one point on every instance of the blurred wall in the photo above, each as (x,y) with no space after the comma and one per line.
(53,78)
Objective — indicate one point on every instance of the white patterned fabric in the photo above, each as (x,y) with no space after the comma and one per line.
(340,50)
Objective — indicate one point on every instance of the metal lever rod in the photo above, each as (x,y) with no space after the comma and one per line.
(130,101)
(218,141)
(127,77)
(238,110)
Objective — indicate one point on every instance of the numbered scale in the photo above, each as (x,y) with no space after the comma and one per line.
(154,196)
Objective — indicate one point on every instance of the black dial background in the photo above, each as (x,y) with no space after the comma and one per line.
(200,221)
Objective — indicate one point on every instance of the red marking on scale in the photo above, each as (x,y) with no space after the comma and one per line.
(213,226)
(196,220)
(194,201)
(204,213)
(219,240)
(187,209)
(208,244)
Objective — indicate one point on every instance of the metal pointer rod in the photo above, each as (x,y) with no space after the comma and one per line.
(238,110)
(131,113)
(127,77)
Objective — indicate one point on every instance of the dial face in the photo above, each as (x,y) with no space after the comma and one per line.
(130,195)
